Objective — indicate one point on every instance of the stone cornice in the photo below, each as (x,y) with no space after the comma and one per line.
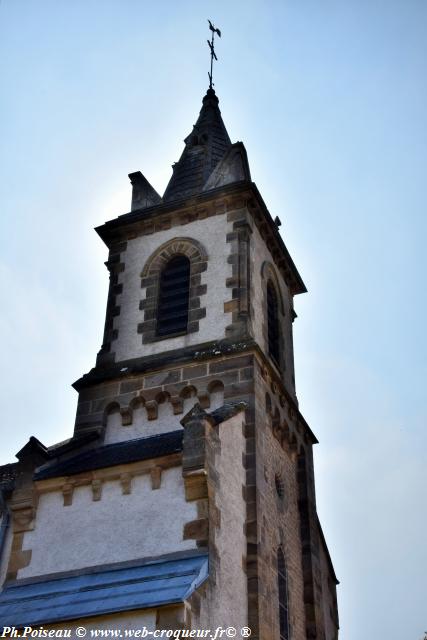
(208,351)
(115,472)
(214,202)
(270,233)
(198,207)
(151,364)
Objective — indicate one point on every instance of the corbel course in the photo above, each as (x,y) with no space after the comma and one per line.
(156,477)
(122,473)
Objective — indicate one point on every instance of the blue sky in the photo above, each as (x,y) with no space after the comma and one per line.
(330,99)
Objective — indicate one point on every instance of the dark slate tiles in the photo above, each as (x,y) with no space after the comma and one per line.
(114,454)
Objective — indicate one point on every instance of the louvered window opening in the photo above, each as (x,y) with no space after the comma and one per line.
(283,596)
(273,324)
(174,293)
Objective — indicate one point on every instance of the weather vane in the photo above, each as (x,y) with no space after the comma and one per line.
(212,48)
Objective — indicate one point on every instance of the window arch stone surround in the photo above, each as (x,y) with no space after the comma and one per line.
(268,274)
(150,280)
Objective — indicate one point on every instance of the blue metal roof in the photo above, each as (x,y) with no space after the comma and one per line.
(132,587)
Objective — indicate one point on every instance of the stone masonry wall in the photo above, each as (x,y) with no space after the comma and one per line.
(262,265)
(214,478)
(138,424)
(274,434)
(211,234)
(277,513)
(163,397)
(329,598)
(225,596)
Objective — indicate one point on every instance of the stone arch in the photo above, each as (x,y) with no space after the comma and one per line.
(189,391)
(277,432)
(164,407)
(215,386)
(150,281)
(216,394)
(189,398)
(192,249)
(275,420)
(137,411)
(268,272)
(285,431)
(293,445)
(112,421)
(136,403)
(162,397)
(111,407)
(270,281)
(268,405)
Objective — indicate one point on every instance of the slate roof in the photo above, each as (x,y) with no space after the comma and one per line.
(226,411)
(8,473)
(36,449)
(204,148)
(135,586)
(217,416)
(113,454)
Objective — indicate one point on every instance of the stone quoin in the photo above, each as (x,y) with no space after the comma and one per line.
(185,497)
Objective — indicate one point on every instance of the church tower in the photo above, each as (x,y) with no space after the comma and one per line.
(185,498)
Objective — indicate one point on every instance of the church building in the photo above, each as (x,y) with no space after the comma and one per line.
(185,498)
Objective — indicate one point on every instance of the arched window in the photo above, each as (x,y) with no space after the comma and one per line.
(174,293)
(172,280)
(282,578)
(273,323)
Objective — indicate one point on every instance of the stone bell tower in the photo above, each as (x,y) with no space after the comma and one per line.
(192,403)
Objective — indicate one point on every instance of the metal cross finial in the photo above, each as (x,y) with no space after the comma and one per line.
(212,48)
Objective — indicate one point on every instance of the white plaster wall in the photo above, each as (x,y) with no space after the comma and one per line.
(188,404)
(217,400)
(211,232)
(259,254)
(229,606)
(166,421)
(118,527)
(141,426)
(130,620)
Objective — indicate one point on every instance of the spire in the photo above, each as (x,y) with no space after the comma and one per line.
(204,147)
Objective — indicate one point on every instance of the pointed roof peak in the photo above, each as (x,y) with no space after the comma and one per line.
(204,147)
(210,114)
(210,96)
